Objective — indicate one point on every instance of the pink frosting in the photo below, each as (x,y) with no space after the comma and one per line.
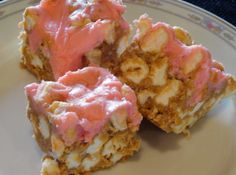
(208,77)
(67,43)
(91,97)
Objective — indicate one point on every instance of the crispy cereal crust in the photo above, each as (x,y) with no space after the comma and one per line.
(116,146)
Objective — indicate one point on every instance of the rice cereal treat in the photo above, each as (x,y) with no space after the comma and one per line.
(176,81)
(85,121)
(64,35)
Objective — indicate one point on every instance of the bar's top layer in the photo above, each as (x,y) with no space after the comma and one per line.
(81,103)
(70,28)
(187,63)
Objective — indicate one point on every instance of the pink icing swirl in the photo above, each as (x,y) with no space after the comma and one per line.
(62,26)
(81,103)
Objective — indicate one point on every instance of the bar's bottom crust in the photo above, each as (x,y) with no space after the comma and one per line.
(37,64)
(105,150)
(60,167)
(173,123)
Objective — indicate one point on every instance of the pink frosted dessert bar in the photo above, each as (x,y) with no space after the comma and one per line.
(176,82)
(62,35)
(85,121)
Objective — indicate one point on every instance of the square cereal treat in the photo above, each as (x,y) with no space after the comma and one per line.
(85,121)
(176,82)
(64,35)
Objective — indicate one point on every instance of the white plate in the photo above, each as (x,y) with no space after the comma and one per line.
(210,151)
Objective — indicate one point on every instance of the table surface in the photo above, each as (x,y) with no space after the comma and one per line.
(225,9)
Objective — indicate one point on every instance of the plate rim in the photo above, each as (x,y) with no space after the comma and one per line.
(227,31)
(187,4)
(219,27)
(208,13)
